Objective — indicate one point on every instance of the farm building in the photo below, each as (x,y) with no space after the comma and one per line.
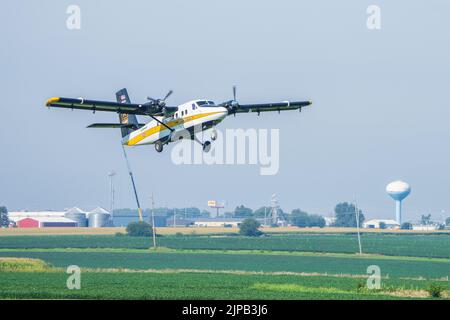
(45,222)
(15,216)
(217,222)
(73,217)
(379,223)
(423,227)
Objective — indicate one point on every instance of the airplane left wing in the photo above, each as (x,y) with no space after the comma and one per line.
(94,105)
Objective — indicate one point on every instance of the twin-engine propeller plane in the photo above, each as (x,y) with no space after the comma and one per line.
(169,123)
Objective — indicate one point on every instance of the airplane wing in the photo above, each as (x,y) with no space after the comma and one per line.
(94,105)
(264,107)
(115,125)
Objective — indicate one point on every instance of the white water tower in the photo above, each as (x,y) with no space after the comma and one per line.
(398,190)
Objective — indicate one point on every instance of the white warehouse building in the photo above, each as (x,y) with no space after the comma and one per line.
(375,224)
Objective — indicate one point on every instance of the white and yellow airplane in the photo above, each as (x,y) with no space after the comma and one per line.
(168,123)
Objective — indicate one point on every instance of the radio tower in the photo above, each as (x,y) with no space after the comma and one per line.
(274,209)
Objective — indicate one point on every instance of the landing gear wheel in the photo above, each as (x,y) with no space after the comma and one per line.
(207,146)
(214,135)
(159,146)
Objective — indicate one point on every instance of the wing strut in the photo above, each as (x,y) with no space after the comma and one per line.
(162,123)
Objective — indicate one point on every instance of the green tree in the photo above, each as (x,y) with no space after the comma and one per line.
(447,221)
(283,215)
(205,213)
(346,215)
(139,229)
(316,221)
(382,225)
(259,213)
(243,212)
(299,218)
(302,219)
(250,228)
(4,221)
(426,219)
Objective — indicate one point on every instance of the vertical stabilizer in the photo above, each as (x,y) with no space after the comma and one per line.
(122,97)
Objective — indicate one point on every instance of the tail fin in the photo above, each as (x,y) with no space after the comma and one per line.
(122,97)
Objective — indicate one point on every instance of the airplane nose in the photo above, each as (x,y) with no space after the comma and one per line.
(223,112)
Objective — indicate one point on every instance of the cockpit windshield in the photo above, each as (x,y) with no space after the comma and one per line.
(205,103)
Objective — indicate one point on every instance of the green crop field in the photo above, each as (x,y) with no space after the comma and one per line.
(414,245)
(115,285)
(329,264)
(282,266)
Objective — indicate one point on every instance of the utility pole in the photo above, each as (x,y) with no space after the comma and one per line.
(357,227)
(111,174)
(153,223)
(265,216)
(174,217)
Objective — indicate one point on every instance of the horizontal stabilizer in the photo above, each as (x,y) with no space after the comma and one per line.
(115,125)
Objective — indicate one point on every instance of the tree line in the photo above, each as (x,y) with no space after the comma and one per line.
(345,215)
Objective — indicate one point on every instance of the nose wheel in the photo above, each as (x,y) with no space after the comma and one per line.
(214,135)
(206,146)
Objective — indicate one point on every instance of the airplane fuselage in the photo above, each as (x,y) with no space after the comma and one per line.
(190,117)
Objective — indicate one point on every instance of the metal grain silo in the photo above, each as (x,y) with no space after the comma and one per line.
(77,215)
(99,218)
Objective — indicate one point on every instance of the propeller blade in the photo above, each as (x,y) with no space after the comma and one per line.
(168,95)
(234,93)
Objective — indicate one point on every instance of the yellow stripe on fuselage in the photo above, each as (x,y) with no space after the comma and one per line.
(158,128)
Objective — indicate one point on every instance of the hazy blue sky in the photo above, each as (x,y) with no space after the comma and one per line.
(381,100)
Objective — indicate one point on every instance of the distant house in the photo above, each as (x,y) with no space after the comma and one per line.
(376,223)
(329,221)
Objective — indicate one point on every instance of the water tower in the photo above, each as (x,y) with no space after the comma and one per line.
(398,190)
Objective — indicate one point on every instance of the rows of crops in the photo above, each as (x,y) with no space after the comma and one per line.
(388,244)
(174,286)
(247,262)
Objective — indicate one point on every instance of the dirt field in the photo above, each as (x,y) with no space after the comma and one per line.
(190,230)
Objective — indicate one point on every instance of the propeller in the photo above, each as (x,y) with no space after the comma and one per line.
(159,103)
(231,105)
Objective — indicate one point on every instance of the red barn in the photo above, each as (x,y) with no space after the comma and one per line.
(28,223)
(46,222)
